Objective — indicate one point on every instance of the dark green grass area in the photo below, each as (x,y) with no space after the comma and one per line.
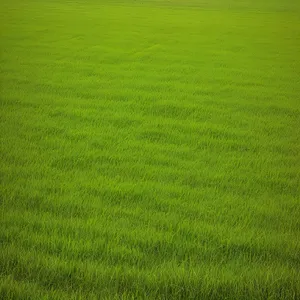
(150,150)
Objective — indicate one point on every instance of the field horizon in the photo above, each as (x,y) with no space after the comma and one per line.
(150,149)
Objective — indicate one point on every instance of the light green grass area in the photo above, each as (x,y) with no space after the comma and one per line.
(150,149)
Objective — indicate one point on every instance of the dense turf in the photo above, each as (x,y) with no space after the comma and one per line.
(150,150)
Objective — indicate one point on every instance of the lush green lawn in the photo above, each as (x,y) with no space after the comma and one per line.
(150,149)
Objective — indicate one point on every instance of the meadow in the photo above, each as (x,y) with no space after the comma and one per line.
(150,149)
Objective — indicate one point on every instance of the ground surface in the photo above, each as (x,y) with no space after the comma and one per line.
(150,149)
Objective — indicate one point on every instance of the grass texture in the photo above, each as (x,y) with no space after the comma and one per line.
(150,149)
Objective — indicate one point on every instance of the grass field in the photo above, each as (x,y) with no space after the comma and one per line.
(150,149)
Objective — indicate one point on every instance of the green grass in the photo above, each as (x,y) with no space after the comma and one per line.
(150,149)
